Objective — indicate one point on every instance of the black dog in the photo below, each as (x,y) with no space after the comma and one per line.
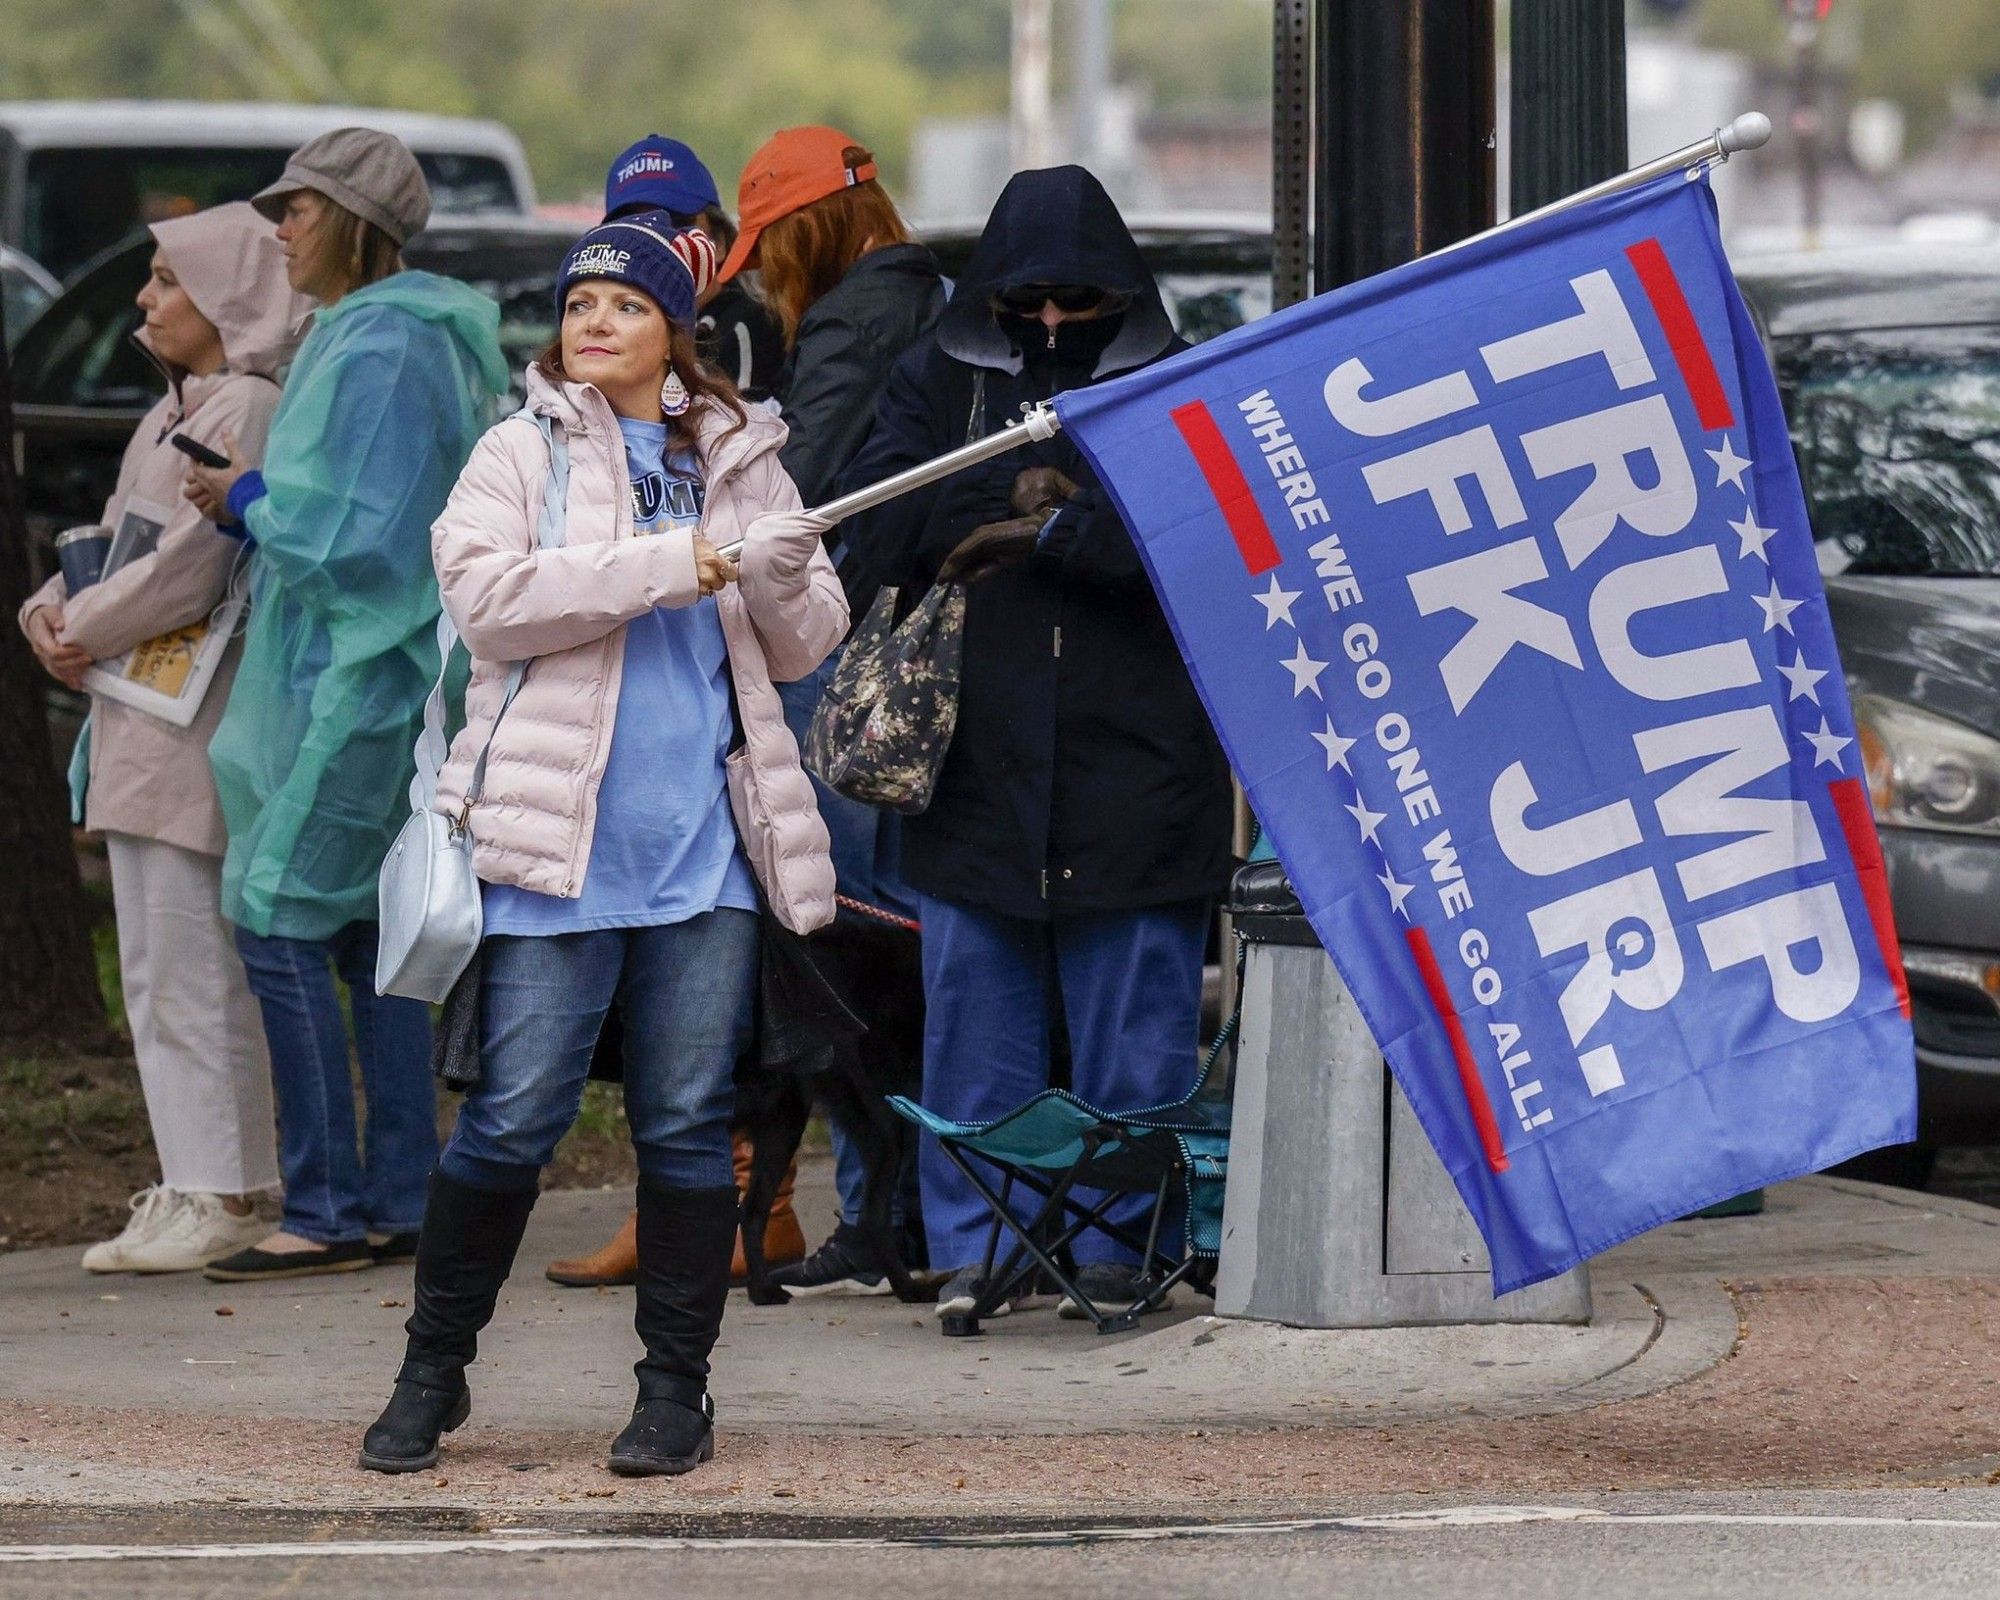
(873,970)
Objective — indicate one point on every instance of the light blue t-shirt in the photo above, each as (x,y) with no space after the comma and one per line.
(665,847)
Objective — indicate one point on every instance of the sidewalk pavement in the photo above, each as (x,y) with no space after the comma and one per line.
(1844,1336)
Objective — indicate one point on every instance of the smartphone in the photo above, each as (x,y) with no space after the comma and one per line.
(199,451)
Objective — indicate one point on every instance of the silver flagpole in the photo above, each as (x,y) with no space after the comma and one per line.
(1747,132)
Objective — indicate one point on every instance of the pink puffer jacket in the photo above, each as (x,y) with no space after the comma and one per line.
(568,607)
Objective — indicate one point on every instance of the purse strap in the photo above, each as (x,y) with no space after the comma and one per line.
(431,745)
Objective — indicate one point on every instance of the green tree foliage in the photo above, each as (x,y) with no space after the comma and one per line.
(576,80)
(1206,54)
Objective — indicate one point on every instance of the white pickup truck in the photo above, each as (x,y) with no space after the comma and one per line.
(77,176)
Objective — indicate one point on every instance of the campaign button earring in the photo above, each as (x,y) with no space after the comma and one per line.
(673,395)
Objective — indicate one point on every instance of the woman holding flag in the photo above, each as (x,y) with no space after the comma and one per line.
(639,802)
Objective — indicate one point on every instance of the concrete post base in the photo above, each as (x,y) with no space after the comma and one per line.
(1338,1213)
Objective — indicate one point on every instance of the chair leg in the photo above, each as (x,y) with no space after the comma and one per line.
(1025,1235)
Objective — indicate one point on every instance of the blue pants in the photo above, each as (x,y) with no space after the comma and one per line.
(334,1190)
(1129,987)
(686,991)
(867,862)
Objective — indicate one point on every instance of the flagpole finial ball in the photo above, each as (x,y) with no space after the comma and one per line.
(1750,131)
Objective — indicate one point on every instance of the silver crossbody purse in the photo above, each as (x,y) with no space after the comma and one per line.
(428,894)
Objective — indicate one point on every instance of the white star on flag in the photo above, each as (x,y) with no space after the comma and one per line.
(1776,608)
(1827,746)
(1336,747)
(1305,672)
(1754,538)
(1277,604)
(1801,678)
(1398,892)
(1729,466)
(1369,820)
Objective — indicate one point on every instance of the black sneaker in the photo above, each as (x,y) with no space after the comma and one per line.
(255,1264)
(961,1293)
(1111,1286)
(843,1265)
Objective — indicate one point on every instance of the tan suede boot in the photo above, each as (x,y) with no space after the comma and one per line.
(617,1260)
(784,1239)
(614,1262)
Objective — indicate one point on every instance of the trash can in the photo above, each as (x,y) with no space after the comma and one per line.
(1338,1212)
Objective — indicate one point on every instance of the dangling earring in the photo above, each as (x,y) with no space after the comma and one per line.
(673,395)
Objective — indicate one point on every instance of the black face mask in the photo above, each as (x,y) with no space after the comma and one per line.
(1067,344)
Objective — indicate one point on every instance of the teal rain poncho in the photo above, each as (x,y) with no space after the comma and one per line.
(314,754)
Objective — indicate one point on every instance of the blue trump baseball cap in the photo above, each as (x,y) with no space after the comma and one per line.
(659,174)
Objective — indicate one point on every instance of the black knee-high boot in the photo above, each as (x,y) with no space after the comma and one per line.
(686,1238)
(464,1254)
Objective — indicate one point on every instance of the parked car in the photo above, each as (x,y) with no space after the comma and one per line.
(82,383)
(24,290)
(76,176)
(1888,360)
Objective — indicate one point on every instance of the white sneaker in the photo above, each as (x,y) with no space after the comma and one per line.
(197,1231)
(151,1209)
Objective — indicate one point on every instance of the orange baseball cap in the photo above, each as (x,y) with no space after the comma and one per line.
(795,167)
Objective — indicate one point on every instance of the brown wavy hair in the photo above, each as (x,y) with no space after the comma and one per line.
(806,252)
(704,383)
(348,251)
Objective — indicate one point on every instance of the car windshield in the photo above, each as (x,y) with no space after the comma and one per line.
(84,355)
(1204,304)
(1898,438)
(24,299)
(79,201)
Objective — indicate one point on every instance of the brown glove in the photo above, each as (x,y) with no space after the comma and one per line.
(1038,491)
(990,547)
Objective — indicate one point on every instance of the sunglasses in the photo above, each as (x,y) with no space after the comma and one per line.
(1029,298)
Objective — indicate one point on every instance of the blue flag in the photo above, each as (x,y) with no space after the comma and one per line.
(1495,577)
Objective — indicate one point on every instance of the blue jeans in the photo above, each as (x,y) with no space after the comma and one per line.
(867,865)
(1129,988)
(686,992)
(334,1191)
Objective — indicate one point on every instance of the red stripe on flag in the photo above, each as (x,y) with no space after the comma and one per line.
(1230,488)
(1656,277)
(1864,849)
(1461,1049)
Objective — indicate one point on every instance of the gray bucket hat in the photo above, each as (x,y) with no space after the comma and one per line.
(369,172)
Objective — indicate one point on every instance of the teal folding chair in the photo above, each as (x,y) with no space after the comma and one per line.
(1056,1145)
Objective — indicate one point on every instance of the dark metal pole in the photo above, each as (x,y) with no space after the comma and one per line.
(1404,131)
(1567,102)
(1291,151)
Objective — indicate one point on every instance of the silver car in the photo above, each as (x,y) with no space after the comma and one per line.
(1889,364)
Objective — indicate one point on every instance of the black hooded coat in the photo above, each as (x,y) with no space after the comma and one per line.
(1083,775)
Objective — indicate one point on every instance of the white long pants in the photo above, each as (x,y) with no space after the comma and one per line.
(196,1032)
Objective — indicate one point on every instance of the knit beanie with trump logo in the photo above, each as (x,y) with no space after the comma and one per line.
(672,265)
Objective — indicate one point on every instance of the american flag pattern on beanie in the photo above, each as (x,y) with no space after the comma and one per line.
(697,253)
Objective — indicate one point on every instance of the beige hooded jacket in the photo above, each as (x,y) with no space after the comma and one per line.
(565,610)
(148,777)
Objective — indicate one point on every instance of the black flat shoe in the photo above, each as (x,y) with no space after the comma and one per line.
(257,1263)
(405,1437)
(398,1247)
(664,1439)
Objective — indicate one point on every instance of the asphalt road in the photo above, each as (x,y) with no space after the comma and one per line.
(1775,1546)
